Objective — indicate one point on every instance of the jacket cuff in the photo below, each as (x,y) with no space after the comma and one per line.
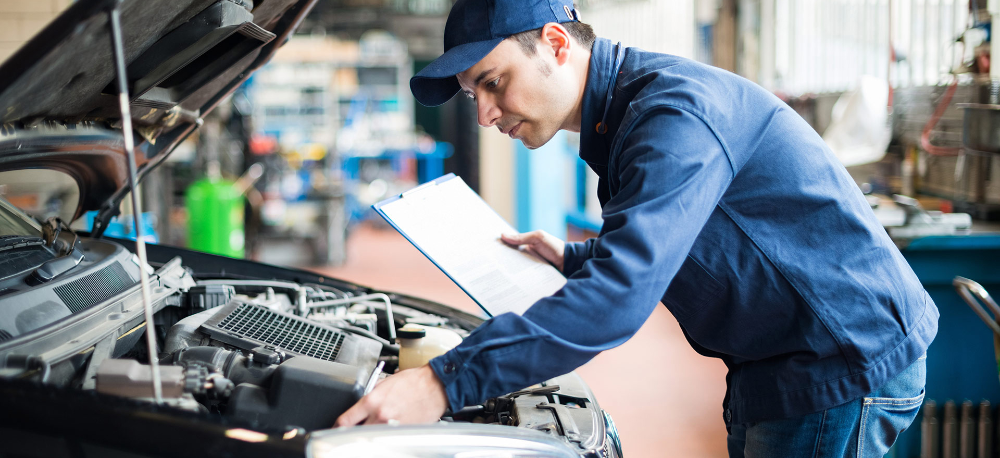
(448,371)
(574,254)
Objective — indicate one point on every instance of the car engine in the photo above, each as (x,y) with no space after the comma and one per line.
(272,348)
(275,353)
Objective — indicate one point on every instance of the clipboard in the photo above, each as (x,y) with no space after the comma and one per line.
(460,233)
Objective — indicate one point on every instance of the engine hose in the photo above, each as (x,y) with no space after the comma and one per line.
(387,347)
(233,365)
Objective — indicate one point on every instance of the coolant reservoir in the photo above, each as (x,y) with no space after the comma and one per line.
(418,344)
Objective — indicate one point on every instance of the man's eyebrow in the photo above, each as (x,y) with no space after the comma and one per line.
(482,75)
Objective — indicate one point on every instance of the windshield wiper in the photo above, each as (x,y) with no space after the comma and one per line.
(10,242)
(69,255)
(56,267)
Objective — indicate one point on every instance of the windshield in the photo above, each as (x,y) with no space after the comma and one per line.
(41,193)
(14,222)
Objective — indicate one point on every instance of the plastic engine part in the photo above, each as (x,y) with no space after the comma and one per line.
(305,392)
(210,296)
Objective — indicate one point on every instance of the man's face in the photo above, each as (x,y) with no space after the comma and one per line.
(526,97)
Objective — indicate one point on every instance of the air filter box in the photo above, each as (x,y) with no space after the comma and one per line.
(248,326)
(305,392)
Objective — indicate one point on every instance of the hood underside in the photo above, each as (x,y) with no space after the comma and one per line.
(183,57)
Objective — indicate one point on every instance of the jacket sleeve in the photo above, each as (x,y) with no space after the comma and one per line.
(672,171)
(574,255)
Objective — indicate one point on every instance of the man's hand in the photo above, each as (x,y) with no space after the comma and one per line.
(546,245)
(411,396)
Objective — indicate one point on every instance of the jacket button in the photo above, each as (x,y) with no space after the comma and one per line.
(728,413)
(449,368)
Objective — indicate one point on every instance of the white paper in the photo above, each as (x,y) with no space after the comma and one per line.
(457,230)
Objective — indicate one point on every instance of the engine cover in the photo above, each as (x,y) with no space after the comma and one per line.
(304,392)
(247,326)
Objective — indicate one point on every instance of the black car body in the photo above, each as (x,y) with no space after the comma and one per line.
(256,360)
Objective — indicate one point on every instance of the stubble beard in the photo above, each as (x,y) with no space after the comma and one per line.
(546,71)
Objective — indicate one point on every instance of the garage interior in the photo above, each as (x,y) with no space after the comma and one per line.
(901,90)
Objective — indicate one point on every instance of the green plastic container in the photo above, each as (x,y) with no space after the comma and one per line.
(215,217)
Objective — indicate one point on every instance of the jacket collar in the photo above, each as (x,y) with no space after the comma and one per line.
(594,147)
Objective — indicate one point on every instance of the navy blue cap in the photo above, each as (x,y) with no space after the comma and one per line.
(473,29)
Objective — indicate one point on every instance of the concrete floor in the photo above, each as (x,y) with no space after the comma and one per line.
(665,398)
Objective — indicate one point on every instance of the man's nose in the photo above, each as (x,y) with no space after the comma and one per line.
(488,112)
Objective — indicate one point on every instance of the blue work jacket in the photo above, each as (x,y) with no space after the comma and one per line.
(722,202)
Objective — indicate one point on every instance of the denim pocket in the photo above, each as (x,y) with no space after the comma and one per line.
(890,410)
(882,419)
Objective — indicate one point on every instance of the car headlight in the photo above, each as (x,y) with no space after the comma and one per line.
(443,440)
(612,431)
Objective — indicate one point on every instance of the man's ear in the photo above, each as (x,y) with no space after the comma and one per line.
(556,41)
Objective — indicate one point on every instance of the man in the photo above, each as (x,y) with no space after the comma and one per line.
(719,201)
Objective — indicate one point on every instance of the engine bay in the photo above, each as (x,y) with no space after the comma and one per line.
(275,353)
(276,349)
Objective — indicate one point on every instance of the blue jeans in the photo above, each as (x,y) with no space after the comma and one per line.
(862,428)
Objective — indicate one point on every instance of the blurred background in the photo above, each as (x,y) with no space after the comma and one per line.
(285,171)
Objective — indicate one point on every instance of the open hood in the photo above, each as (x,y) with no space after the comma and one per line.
(183,57)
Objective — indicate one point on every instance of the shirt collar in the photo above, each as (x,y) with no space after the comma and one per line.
(594,146)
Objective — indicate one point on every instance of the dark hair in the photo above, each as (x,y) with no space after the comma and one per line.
(582,33)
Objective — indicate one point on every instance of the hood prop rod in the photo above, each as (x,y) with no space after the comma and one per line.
(114,23)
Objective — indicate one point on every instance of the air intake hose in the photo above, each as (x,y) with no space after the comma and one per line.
(233,365)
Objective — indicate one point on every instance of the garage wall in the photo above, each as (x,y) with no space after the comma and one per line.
(825,46)
(666,26)
(22,19)
(496,172)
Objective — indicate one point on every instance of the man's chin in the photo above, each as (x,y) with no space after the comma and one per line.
(533,144)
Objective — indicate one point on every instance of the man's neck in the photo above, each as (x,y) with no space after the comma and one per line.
(580,61)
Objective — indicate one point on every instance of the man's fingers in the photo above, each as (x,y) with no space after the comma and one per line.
(420,398)
(527,238)
(533,251)
(353,416)
(514,239)
(379,418)
(364,412)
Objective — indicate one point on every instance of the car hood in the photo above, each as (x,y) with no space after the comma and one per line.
(183,58)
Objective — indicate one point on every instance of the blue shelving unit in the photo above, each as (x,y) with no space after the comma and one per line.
(430,163)
(960,363)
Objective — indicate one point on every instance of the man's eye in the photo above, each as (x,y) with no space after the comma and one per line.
(470,95)
(493,84)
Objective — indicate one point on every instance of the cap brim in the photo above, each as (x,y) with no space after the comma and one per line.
(436,83)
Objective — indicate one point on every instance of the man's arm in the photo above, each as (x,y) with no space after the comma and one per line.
(575,254)
(673,173)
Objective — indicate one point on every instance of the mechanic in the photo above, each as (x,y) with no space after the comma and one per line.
(718,200)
